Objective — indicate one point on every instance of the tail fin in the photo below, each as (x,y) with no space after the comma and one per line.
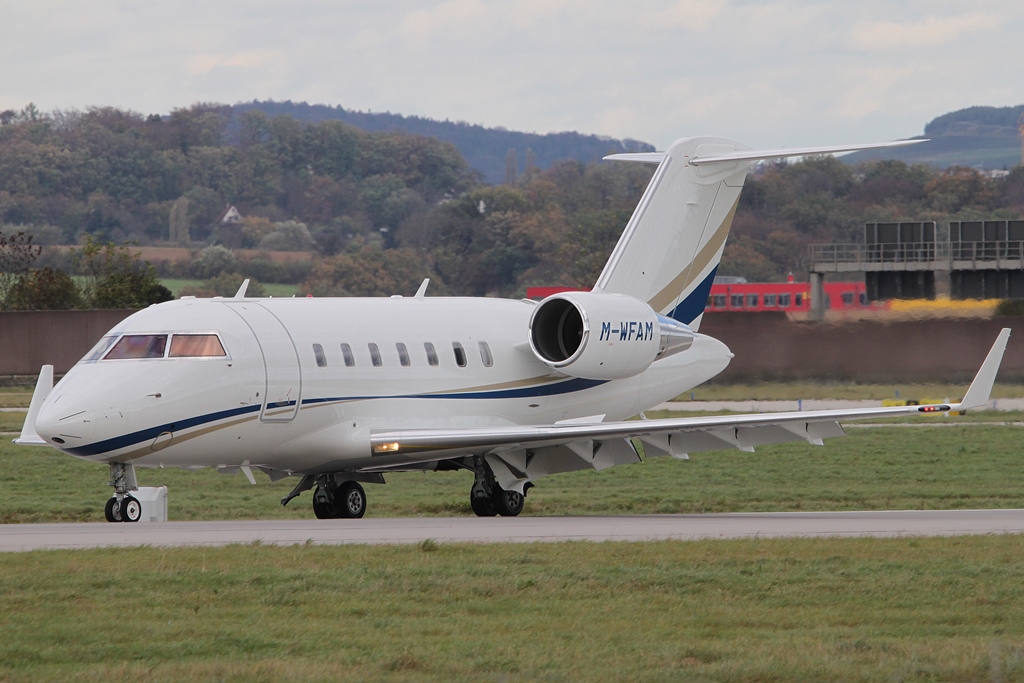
(670,249)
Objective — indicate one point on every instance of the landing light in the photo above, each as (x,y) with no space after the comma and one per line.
(386,447)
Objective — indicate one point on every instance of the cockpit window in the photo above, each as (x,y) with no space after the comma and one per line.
(101,347)
(138,346)
(196,346)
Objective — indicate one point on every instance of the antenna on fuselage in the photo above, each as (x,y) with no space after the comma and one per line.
(422,291)
(240,294)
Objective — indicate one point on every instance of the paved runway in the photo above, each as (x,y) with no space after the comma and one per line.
(16,537)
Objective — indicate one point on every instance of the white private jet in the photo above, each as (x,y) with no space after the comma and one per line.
(340,392)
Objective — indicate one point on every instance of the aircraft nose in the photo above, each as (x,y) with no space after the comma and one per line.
(66,420)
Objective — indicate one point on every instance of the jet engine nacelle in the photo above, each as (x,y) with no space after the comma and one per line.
(595,335)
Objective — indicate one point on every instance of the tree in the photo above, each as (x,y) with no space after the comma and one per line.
(17,254)
(117,278)
(511,167)
(288,236)
(179,221)
(370,271)
(44,289)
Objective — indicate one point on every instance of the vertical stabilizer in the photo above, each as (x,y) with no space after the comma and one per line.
(671,247)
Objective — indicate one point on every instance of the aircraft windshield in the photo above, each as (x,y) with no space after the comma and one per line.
(138,346)
(101,347)
(196,346)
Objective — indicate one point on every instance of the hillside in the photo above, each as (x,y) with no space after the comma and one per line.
(977,137)
(485,149)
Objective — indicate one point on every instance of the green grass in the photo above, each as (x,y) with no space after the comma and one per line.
(750,610)
(11,422)
(968,466)
(16,399)
(273,288)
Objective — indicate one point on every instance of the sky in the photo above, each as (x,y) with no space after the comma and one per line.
(768,73)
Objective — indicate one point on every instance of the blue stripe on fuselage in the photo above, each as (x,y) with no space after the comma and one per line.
(141,436)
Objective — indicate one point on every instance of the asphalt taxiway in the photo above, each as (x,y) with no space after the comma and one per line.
(21,537)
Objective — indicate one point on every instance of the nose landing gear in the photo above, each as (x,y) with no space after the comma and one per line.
(122,506)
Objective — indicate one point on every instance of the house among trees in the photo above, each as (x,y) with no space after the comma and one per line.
(231,215)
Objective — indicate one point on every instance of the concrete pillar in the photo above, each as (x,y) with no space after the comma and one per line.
(942,284)
(817,296)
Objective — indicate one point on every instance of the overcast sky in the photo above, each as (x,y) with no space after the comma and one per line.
(767,73)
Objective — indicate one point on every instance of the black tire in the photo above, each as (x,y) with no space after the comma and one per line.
(482,507)
(324,510)
(111,511)
(131,509)
(508,503)
(350,500)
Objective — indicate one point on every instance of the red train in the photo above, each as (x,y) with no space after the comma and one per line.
(735,294)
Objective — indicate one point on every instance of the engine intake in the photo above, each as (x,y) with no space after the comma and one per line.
(594,335)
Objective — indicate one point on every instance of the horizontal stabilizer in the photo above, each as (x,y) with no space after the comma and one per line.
(756,155)
(641,157)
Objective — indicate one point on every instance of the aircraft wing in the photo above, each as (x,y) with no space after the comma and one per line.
(602,444)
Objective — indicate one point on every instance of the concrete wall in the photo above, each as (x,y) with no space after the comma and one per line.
(31,339)
(770,347)
(767,346)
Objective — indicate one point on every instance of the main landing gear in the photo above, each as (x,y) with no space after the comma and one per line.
(487,499)
(123,506)
(332,500)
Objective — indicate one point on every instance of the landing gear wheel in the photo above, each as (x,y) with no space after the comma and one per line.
(482,507)
(112,510)
(350,501)
(131,509)
(508,503)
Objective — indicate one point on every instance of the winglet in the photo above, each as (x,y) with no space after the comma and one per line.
(980,389)
(240,294)
(44,385)
(422,291)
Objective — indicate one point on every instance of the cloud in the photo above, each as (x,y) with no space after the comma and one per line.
(929,32)
(253,59)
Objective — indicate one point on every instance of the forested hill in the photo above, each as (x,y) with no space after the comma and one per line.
(976,137)
(485,149)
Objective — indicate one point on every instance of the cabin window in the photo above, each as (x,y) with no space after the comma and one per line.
(485,355)
(375,355)
(403,354)
(799,300)
(847,298)
(321,359)
(196,346)
(769,300)
(138,346)
(460,354)
(101,347)
(863,299)
(718,301)
(751,300)
(346,353)
(736,301)
(784,300)
(431,353)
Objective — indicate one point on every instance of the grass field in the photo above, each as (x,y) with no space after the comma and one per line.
(752,610)
(910,609)
(273,289)
(962,466)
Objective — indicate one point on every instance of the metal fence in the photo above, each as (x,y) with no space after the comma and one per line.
(920,252)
